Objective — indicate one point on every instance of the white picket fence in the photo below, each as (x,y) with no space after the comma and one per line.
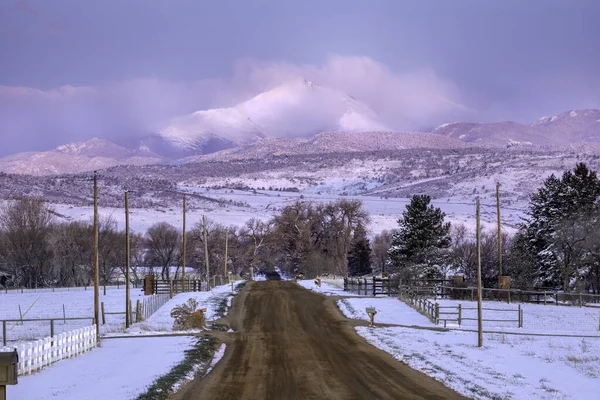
(36,355)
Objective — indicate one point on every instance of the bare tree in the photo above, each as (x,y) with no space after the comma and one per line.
(73,253)
(26,224)
(163,244)
(381,244)
(257,232)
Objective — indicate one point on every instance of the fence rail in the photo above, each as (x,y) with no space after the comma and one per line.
(437,313)
(372,286)
(509,295)
(143,308)
(36,355)
(51,322)
(172,287)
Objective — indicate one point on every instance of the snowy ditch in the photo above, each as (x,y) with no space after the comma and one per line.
(508,366)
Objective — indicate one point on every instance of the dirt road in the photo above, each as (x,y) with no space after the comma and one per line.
(291,343)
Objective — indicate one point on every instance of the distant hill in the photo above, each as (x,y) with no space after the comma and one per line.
(568,128)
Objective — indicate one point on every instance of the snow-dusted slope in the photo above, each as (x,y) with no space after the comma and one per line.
(573,127)
(296,109)
(335,142)
(76,157)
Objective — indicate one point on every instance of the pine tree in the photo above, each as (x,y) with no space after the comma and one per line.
(555,207)
(422,241)
(359,256)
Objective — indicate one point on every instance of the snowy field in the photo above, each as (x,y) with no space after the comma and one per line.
(77,302)
(264,204)
(120,370)
(123,368)
(537,318)
(506,367)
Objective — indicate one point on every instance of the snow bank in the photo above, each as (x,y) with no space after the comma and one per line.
(120,370)
(507,367)
(213,301)
(390,310)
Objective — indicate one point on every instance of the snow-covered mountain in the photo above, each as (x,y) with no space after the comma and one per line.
(334,142)
(76,157)
(573,127)
(296,109)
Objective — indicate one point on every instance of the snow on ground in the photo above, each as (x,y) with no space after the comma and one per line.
(216,358)
(537,318)
(326,288)
(506,367)
(77,302)
(120,370)
(390,310)
(161,321)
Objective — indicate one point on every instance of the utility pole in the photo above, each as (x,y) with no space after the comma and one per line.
(225,264)
(206,252)
(183,251)
(479,311)
(127,261)
(499,229)
(96,272)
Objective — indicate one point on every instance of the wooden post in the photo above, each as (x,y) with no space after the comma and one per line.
(479,311)
(3,333)
(64,316)
(130,310)
(499,229)
(138,311)
(171,288)
(459,314)
(226,243)
(96,272)
(183,251)
(520,318)
(103,314)
(206,252)
(437,313)
(51,328)
(127,259)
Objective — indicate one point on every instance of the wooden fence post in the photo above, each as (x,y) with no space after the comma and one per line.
(4,333)
(437,313)
(459,313)
(51,328)
(138,311)
(130,311)
(103,315)
(520,317)
(171,288)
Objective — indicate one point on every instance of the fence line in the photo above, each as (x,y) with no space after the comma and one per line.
(546,297)
(21,321)
(143,308)
(36,355)
(437,313)
(153,303)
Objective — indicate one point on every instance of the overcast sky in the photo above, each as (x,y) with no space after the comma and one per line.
(74,69)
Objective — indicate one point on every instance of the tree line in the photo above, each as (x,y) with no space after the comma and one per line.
(557,244)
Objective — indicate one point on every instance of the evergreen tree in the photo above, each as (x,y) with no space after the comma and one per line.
(359,256)
(553,209)
(422,241)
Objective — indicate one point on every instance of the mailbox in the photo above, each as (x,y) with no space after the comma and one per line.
(8,368)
